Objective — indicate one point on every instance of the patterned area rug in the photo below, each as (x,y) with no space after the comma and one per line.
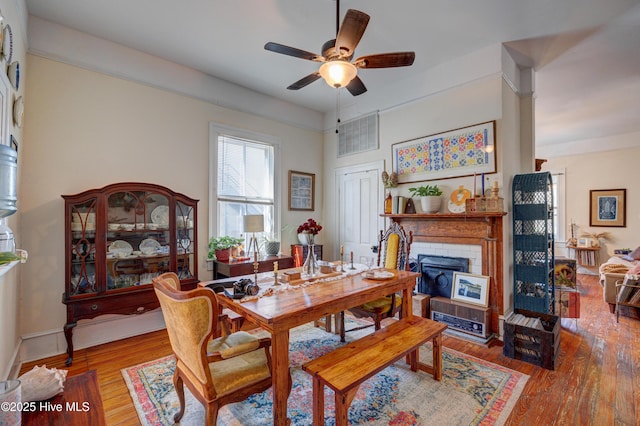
(472,392)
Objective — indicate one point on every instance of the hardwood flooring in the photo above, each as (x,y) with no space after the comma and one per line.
(596,380)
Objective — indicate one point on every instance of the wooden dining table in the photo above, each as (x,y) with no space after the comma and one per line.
(280,312)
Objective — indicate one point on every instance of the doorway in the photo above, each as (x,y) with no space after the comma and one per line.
(359,197)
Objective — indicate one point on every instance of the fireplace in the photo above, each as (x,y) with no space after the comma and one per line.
(437,273)
(483,229)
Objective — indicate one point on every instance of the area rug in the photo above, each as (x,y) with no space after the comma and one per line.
(472,391)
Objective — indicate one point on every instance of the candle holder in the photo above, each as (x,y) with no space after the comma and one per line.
(255,268)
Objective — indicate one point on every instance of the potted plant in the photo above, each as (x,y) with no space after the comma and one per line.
(271,245)
(430,199)
(219,247)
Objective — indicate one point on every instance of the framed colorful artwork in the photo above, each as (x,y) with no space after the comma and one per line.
(460,152)
(608,207)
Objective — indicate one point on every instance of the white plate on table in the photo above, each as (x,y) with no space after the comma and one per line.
(379,275)
(160,215)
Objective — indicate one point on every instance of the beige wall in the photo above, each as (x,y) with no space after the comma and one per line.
(86,130)
(602,170)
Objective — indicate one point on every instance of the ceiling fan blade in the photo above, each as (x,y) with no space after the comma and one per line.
(356,86)
(304,81)
(386,60)
(351,31)
(292,51)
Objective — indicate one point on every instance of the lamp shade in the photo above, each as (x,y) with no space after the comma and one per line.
(338,73)
(253,223)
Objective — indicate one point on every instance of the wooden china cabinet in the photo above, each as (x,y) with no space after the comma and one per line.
(117,238)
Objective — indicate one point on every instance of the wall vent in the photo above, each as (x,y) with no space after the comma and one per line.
(358,135)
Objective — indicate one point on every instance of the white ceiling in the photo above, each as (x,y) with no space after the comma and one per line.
(586,53)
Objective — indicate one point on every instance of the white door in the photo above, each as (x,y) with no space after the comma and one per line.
(359,192)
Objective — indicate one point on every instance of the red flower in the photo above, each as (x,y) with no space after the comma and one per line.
(310,227)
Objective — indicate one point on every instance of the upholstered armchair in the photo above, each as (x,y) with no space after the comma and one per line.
(396,246)
(228,321)
(217,371)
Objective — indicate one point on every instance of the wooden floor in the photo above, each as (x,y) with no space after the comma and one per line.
(596,381)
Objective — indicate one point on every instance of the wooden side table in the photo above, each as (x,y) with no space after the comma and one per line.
(79,404)
(234,269)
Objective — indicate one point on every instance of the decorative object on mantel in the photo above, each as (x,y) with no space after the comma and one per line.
(492,203)
(309,230)
(607,207)
(430,197)
(440,156)
(389,181)
(410,208)
(457,200)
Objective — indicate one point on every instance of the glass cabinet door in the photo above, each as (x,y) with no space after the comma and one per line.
(138,238)
(185,240)
(83,247)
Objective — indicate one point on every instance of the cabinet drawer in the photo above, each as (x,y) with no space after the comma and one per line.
(123,304)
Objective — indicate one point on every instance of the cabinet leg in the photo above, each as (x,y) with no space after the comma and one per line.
(68,335)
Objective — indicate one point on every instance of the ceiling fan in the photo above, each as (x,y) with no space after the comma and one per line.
(337,68)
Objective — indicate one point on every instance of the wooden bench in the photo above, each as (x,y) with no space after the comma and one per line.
(345,368)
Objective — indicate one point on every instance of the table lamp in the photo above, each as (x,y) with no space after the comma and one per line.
(253,223)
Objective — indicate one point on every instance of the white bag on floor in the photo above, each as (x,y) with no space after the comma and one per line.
(42,383)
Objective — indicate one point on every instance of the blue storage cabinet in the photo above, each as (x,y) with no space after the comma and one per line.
(533,242)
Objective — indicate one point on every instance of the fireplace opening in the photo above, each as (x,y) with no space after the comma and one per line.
(437,273)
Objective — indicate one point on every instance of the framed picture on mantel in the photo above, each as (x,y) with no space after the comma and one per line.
(608,207)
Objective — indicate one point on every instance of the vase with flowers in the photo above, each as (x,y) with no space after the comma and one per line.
(306,234)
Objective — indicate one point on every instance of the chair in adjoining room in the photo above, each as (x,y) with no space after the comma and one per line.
(217,371)
(396,246)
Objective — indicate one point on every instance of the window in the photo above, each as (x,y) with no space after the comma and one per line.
(557,180)
(243,181)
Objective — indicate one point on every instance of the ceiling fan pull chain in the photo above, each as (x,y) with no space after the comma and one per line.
(337,110)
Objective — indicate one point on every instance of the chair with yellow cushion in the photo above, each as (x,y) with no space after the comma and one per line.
(397,247)
(217,371)
(228,321)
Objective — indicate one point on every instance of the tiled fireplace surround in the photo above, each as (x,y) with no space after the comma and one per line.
(476,236)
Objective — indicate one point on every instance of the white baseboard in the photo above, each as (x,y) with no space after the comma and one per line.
(88,333)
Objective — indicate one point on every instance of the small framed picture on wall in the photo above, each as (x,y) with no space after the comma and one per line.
(301,190)
(608,207)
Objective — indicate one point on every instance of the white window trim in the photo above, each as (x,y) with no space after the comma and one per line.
(561,205)
(216,130)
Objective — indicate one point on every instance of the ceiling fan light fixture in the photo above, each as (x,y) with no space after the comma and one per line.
(338,73)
